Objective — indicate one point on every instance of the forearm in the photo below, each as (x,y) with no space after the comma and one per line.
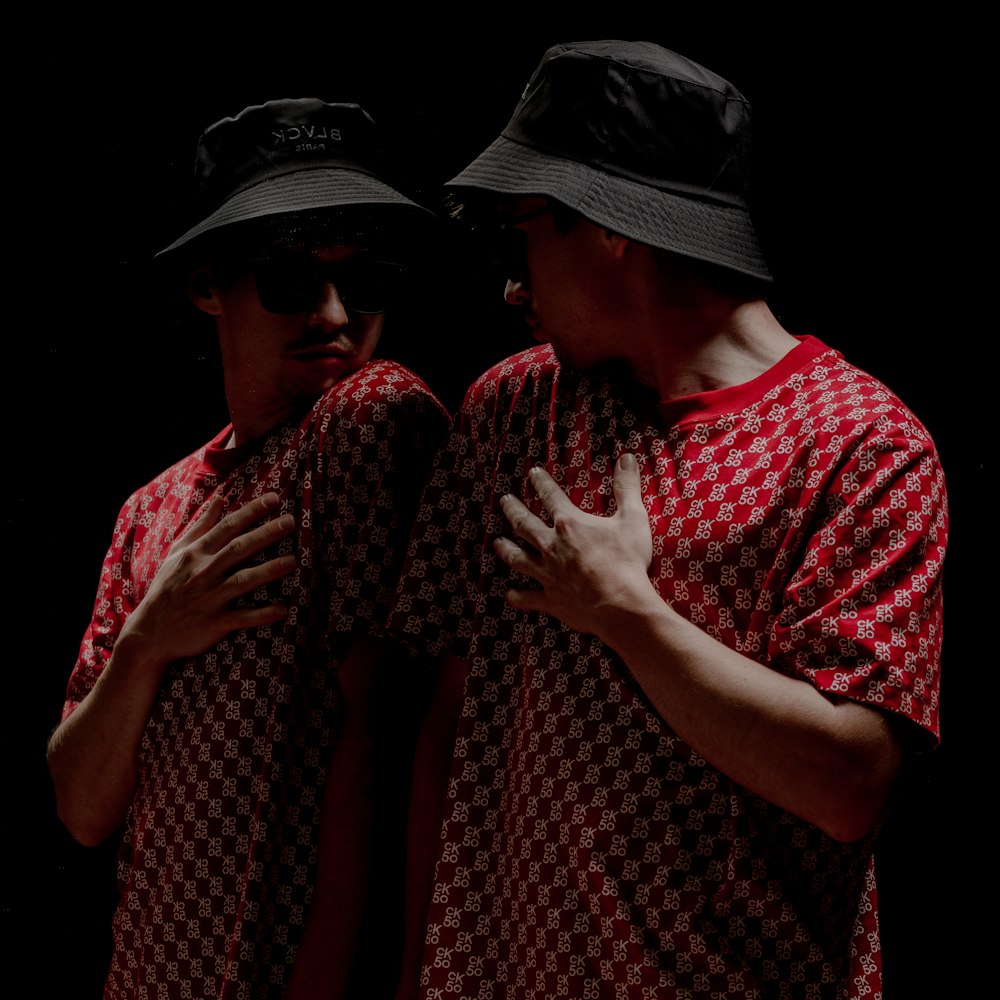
(431,770)
(93,754)
(333,929)
(357,893)
(190,606)
(832,762)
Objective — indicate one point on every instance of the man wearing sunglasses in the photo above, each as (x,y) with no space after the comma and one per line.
(688,594)
(229,706)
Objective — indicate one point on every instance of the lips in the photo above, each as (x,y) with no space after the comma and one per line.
(322,348)
(323,351)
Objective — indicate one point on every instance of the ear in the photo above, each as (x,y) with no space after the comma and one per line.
(201,290)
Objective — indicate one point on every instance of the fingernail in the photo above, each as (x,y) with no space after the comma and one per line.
(628,463)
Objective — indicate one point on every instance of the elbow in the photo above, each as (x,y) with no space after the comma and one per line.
(857,778)
(82,822)
(850,809)
(78,808)
(854,812)
(848,822)
(858,795)
(85,834)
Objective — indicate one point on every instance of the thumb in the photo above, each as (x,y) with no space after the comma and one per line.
(628,488)
(631,509)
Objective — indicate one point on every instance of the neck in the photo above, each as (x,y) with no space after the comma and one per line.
(682,334)
(251,424)
(718,344)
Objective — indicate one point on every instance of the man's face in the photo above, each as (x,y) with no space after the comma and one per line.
(564,285)
(294,322)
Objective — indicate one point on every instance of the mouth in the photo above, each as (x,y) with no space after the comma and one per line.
(307,349)
(324,351)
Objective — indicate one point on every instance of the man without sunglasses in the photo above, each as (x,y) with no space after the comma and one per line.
(228,702)
(688,593)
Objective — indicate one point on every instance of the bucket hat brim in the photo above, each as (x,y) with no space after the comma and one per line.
(300,191)
(708,230)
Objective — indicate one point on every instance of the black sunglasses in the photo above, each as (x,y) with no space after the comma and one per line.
(509,242)
(295,283)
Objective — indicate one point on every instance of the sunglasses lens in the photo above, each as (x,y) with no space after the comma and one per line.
(514,256)
(285,287)
(296,286)
(503,249)
(511,242)
(368,286)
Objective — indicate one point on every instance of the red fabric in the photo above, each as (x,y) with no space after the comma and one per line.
(587,851)
(215,870)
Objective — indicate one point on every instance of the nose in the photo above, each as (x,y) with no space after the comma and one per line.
(516,293)
(329,311)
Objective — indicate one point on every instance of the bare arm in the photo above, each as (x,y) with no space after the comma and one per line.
(833,763)
(93,753)
(431,768)
(349,812)
(355,783)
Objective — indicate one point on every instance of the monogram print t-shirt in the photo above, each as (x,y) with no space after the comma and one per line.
(215,869)
(586,850)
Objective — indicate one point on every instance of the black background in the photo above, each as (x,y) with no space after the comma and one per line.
(859,145)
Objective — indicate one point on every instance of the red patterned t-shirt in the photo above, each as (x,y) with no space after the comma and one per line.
(215,870)
(588,851)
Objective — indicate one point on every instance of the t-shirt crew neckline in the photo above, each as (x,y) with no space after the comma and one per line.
(220,460)
(706,407)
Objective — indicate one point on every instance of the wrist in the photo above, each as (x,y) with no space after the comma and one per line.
(137,655)
(636,612)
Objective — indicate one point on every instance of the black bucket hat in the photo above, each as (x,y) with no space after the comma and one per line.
(638,139)
(288,156)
